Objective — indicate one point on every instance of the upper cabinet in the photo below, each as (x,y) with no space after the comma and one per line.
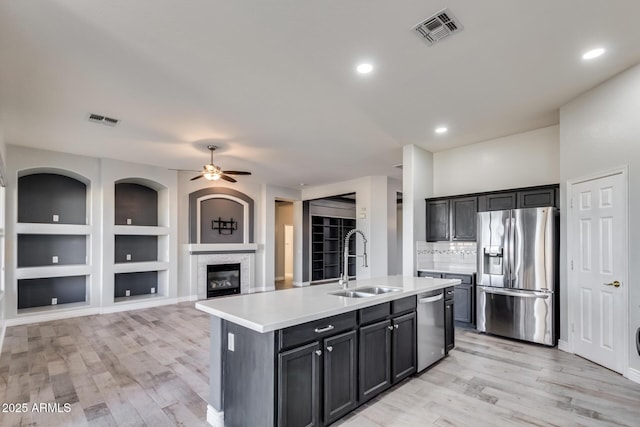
(451,219)
(454,218)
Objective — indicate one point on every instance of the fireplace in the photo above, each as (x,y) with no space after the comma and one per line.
(223,279)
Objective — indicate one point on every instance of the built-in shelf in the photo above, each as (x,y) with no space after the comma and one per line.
(52,271)
(132,267)
(49,308)
(327,240)
(137,298)
(140,230)
(38,228)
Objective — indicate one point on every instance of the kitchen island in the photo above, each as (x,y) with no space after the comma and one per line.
(306,356)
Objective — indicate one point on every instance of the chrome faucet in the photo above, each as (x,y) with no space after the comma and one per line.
(344,279)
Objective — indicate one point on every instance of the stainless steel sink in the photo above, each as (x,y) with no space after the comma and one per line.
(353,294)
(369,291)
(377,290)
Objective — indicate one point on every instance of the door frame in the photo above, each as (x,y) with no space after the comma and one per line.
(571,251)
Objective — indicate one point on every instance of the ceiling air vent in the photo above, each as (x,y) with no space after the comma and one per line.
(437,27)
(108,121)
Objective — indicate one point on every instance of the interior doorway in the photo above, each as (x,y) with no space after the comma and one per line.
(598,282)
(284,230)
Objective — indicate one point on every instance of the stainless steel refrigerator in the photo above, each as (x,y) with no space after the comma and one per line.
(517,274)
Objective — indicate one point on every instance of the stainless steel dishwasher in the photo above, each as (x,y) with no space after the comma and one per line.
(430,328)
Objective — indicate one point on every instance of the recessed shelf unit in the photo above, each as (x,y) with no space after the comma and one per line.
(140,244)
(53,236)
(327,247)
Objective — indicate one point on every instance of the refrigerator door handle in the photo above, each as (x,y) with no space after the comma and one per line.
(510,293)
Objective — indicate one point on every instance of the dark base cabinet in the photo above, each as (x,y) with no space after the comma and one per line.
(375,359)
(449,327)
(340,360)
(299,386)
(403,344)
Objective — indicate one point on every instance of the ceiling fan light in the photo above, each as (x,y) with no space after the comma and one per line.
(212,176)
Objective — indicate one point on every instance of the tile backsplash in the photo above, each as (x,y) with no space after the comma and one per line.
(430,254)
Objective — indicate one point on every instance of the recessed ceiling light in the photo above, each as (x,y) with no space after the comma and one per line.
(364,68)
(302,184)
(441,129)
(593,53)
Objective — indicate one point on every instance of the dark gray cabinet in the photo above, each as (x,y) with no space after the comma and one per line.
(451,219)
(374,359)
(339,385)
(464,298)
(497,201)
(403,347)
(299,386)
(538,198)
(430,274)
(437,220)
(463,218)
(449,327)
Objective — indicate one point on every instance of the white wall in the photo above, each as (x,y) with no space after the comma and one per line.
(417,185)
(520,160)
(599,130)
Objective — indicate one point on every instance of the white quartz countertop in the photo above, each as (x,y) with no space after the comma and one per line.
(270,311)
(449,268)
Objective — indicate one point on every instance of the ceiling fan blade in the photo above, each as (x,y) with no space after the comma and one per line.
(227,178)
(236,172)
(196,177)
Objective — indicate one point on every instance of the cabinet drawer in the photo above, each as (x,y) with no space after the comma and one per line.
(466,279)
(537,198)
(403,304)
(315,330)
(429,274)
(375,313)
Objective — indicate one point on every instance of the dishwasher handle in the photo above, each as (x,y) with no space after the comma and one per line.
(430,299)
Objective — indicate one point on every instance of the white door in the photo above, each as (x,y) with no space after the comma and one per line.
(288,251)
(597,269)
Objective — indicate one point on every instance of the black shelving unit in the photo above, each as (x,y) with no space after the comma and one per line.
(327,247)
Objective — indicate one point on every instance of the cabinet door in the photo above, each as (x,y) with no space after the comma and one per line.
(374,364)
(463,218)
(340,359)
(437,220)
(537,198)
(299,386)
(449,330)
(403,346)
(497,202)
(463,303)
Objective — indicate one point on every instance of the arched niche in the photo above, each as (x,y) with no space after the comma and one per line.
(47,195)
(137,201)
(210,205)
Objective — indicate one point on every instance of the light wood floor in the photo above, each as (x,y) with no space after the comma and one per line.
(150,367)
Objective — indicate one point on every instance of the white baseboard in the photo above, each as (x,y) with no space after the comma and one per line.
(50,315)
(279,278)
(633,375)
(188,298)
(215,417)
(564,346)
(138,304)
(300,283)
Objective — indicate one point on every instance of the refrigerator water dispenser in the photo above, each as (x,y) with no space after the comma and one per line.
(493,260)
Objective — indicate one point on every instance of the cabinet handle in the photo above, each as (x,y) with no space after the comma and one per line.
(390,327)
(325,329)
(319,352)
(396,326)
(329,348)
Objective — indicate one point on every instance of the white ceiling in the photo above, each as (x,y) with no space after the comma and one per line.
(273,82)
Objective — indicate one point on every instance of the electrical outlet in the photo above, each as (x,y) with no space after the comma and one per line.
(56,218)
(54,301)
(153,290)
(54,259)
(127,293)
(128,221)
(231,345)
(128,257)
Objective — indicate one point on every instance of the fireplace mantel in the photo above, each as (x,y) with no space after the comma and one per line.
(211,248)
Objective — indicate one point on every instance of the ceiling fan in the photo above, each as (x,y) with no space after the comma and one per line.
(213,172)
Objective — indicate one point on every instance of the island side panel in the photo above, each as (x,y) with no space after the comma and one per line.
(249,378)
(215,366)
